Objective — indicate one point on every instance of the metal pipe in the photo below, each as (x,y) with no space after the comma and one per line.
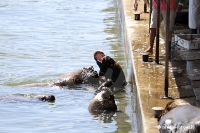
(167,49)
(157,32)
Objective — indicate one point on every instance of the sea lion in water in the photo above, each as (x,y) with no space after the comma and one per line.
(48,98)
(86,75)
(103,101)
(179,117)
(27,98)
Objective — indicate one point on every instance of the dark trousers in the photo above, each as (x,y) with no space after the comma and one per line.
(195,31)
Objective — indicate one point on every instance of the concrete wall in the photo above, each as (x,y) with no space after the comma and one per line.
(137,123)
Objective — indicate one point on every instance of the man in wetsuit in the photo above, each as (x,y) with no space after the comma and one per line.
(111,70)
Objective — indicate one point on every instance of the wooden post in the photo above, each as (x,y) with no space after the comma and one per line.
(167,49)
(157,32)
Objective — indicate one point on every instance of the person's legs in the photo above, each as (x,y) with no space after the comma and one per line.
(193,31)
(152,36)
(152,33)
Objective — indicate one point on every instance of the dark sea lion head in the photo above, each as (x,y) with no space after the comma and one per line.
(89,75)
(103,101)
(171,105)
(48,98)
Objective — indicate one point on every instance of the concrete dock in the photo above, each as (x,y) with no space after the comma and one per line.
(148,77)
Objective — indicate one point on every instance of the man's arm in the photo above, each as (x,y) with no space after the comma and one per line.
(135,5)
(180,6)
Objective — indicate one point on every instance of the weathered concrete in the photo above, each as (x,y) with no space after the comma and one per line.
(148,77)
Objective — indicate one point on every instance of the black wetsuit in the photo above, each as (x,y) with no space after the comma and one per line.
(111,70)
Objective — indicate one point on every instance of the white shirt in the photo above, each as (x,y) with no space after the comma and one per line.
(194,14)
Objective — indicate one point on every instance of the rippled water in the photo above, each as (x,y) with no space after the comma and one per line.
(43,39)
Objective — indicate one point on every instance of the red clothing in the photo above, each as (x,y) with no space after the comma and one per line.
(163,4)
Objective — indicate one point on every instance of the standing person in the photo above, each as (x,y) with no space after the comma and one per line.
(194,16)
(111,70)
(163,13)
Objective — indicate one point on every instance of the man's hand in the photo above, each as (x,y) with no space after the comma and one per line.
(135,5)
(179,7)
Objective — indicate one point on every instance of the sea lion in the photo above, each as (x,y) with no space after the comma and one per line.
(48,98)
(179,117)
(103,101)
(27,98)
(86,75)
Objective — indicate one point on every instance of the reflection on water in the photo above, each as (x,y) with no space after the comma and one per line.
(41,40)
(104,117)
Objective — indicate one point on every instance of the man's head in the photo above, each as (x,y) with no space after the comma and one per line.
(98,55)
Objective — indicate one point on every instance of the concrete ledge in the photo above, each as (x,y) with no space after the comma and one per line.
(147,78)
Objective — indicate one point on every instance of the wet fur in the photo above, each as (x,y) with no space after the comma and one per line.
(20,97)
(171,105)
(44,98)
(107,103)
(179,117)
(86,75)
